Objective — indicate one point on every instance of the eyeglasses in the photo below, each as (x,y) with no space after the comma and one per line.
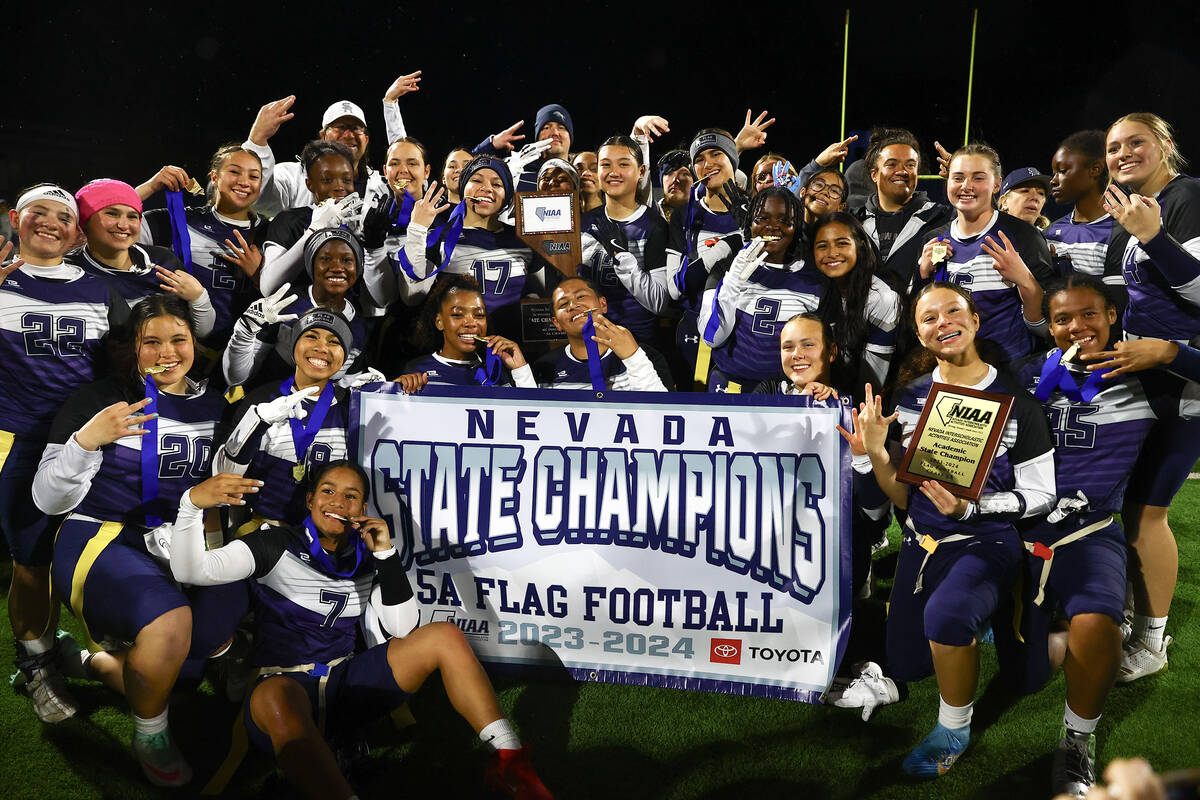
(342,127)
(836,192)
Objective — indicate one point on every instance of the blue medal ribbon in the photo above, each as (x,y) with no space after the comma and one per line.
(693,204)
(181,240)
(1055,375)
(149,456)
(447,234)
(489,373)
(321,556)
(303,433)
(595,368)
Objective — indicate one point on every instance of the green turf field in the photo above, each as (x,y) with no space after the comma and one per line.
(605,741)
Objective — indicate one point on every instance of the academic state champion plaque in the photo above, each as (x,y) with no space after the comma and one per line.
(549,223)
(956,439)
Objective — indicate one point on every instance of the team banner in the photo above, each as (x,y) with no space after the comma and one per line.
(695,542)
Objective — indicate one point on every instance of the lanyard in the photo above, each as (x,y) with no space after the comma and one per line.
(693,203)
(150,456)
(1055,375)
(303,433)
(595,369)
(448,234)
(321,556)
(181,240)
(488,374)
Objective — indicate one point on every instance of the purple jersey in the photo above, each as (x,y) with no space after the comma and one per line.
(560,369)
(999,302)
(1085,244)
(52,320)
(449,372)
(498,260)
(135,283)
(1026,440)
(752,315)
(229,289)
(1163,276)
(184,450)
(645,235)
(690,225)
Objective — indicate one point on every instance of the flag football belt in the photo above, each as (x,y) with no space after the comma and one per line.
(1046,552)
(930,546)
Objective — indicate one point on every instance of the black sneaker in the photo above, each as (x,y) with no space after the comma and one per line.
(1074,769)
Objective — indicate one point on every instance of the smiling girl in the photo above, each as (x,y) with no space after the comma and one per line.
(1002,261)
(958,558)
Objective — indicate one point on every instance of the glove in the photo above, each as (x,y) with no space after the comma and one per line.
(377,222)
(520,159)
(867,691)
(266,310)
(1068,506)
(781,174)
(748,259)
(290,406)
(713,251)
(360,379)
(610,235)
(336,213)
(737,201)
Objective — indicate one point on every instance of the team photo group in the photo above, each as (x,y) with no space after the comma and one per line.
(183,359)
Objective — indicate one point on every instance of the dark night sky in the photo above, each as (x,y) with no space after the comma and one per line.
(124,90)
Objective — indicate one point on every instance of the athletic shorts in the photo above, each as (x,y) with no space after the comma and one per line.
(1168,456)
(357,691)
(29,532)
(718,381)
(115,589)
(961,587)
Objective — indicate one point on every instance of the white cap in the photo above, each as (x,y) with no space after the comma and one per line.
(342,108)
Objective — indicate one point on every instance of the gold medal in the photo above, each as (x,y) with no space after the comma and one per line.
(298,472)
(939,253)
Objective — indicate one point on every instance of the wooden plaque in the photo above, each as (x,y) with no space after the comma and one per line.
(956,439)
(549,223)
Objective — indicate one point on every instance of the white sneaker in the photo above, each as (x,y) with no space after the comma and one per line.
(867,691)
(47,689)
(161,761)
(1139,661)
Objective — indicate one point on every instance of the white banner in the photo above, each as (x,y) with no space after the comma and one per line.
(685,540)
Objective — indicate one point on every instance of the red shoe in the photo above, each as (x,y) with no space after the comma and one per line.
(510,773)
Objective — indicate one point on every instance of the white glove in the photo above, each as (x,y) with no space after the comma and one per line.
(360,379)
(266,310)
(710,255)
(867,691)
(1069,505)
(520,159)
(748,259)
(290,406)
(335,213)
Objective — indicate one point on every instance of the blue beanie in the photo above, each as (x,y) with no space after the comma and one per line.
(492,163)
(553,113)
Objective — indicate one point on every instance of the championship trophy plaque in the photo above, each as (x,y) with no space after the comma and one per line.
(549,223)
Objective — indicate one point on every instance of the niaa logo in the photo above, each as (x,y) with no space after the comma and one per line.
(542,212)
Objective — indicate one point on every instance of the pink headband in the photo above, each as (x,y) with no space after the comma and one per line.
(103,193)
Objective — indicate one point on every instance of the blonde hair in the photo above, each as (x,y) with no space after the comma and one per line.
(1162,132)
(1041,223)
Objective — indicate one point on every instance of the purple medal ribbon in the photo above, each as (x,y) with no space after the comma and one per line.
(1055,375)
(303,433)
(181,240)
(447,234)
(595,369)
(489,373)
(149,456)
(321,556)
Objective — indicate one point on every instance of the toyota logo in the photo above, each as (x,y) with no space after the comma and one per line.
(725,650)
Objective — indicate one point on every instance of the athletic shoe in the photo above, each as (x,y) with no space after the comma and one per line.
(868,691)
(47,688)
(161,760)
(510,773)
(72,658)
(1074,769)
(1139,661)
(934,756)
(881,543)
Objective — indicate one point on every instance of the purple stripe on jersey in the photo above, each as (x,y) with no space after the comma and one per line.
(1155,308)
(1000,310)
(623,307)
(498,260)
(1084,243)
(773,296)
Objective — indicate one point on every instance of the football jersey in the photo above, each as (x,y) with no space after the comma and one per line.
(451,372)
(1025,440)
(229,289)
(140,280)
(52,321)
(999,302)
(645,234)
(690,225)
(882,313)
(1085,244)
(742,319)
(184,448)
(1098,442)
(560,369)
(269,453)
(1163,277)
(305,614)
(498,260)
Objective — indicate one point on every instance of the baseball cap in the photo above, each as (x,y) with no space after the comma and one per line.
(1022,176)
(342,108)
